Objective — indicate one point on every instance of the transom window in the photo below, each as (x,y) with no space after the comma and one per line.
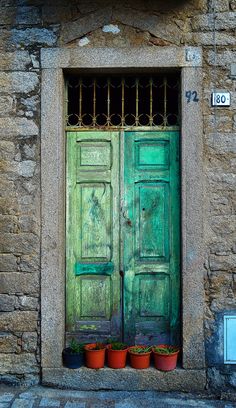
(117,101)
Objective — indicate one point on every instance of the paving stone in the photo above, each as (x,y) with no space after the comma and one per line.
(4,405)
(74,404)
(27,395)
(6,397)
(48,402)
(22,403)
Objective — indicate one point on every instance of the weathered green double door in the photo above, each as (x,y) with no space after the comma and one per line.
(123,239)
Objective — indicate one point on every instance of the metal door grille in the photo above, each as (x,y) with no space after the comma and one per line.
(122,102)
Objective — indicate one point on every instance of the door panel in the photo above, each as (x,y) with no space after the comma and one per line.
(152,223)
(93,280)
(151,237)
(137,232)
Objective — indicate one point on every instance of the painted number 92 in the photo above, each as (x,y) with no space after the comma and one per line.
(191,96)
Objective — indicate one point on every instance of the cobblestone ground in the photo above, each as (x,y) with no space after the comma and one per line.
(41,397)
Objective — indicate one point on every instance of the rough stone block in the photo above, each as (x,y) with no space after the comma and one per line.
(19,283)
(7,150)
(222,263)
(220,206)
(219,179)
(8,223)
(32,103)
(5,36)
(219,5)
(6,186)
(17,61)
(26,168)
(8,343)
(84,24)
(8,303)
(223,225)
(159,26)
(7,15)
(7,105)
(220,248)
(223,21)
(221,59)
(27,224)
(232,5)
(19,364)
(208,39)
(23,243)
(8,206)
(29,342)
(18,321)
(28,15)
(8,262)
(222,142)
(28,303)
(18,127)
(55,14)
(29,263)
(33,36)
(23,82)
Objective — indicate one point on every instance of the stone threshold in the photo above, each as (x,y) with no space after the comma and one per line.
(126,379)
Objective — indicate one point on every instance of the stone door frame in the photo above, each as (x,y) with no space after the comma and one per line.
(54,62)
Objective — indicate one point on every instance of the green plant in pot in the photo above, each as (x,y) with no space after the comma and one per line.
(165,357)
(116,354)
(95,355)
(73,355)
(140,356)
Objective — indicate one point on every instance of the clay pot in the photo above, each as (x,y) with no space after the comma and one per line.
(116,358)
(165,362)
(72,360)
(94,358)
(139,360)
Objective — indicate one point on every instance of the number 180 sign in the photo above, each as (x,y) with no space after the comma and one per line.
(220,99)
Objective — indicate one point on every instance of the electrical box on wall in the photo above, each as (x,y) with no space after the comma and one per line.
(230,339)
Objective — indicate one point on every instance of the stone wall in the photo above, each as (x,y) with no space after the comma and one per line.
(25,27)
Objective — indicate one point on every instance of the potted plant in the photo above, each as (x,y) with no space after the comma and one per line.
(140,356)
(165,357)
(73,355)
(116,354)
(95,355)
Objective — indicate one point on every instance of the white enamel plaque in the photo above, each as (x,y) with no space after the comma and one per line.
(220,99)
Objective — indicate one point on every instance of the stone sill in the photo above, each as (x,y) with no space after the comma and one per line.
(126,379)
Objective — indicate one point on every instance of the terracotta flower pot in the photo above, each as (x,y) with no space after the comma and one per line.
(116,358)
(94,358)
(139,360)
(165,362)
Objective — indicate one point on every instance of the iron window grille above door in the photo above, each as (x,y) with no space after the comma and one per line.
(131,101)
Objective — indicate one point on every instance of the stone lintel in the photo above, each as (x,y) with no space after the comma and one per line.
(127,379)
(141,57)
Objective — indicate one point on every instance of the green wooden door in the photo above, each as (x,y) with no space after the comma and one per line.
(92,248)
(151,237)
(123,219)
